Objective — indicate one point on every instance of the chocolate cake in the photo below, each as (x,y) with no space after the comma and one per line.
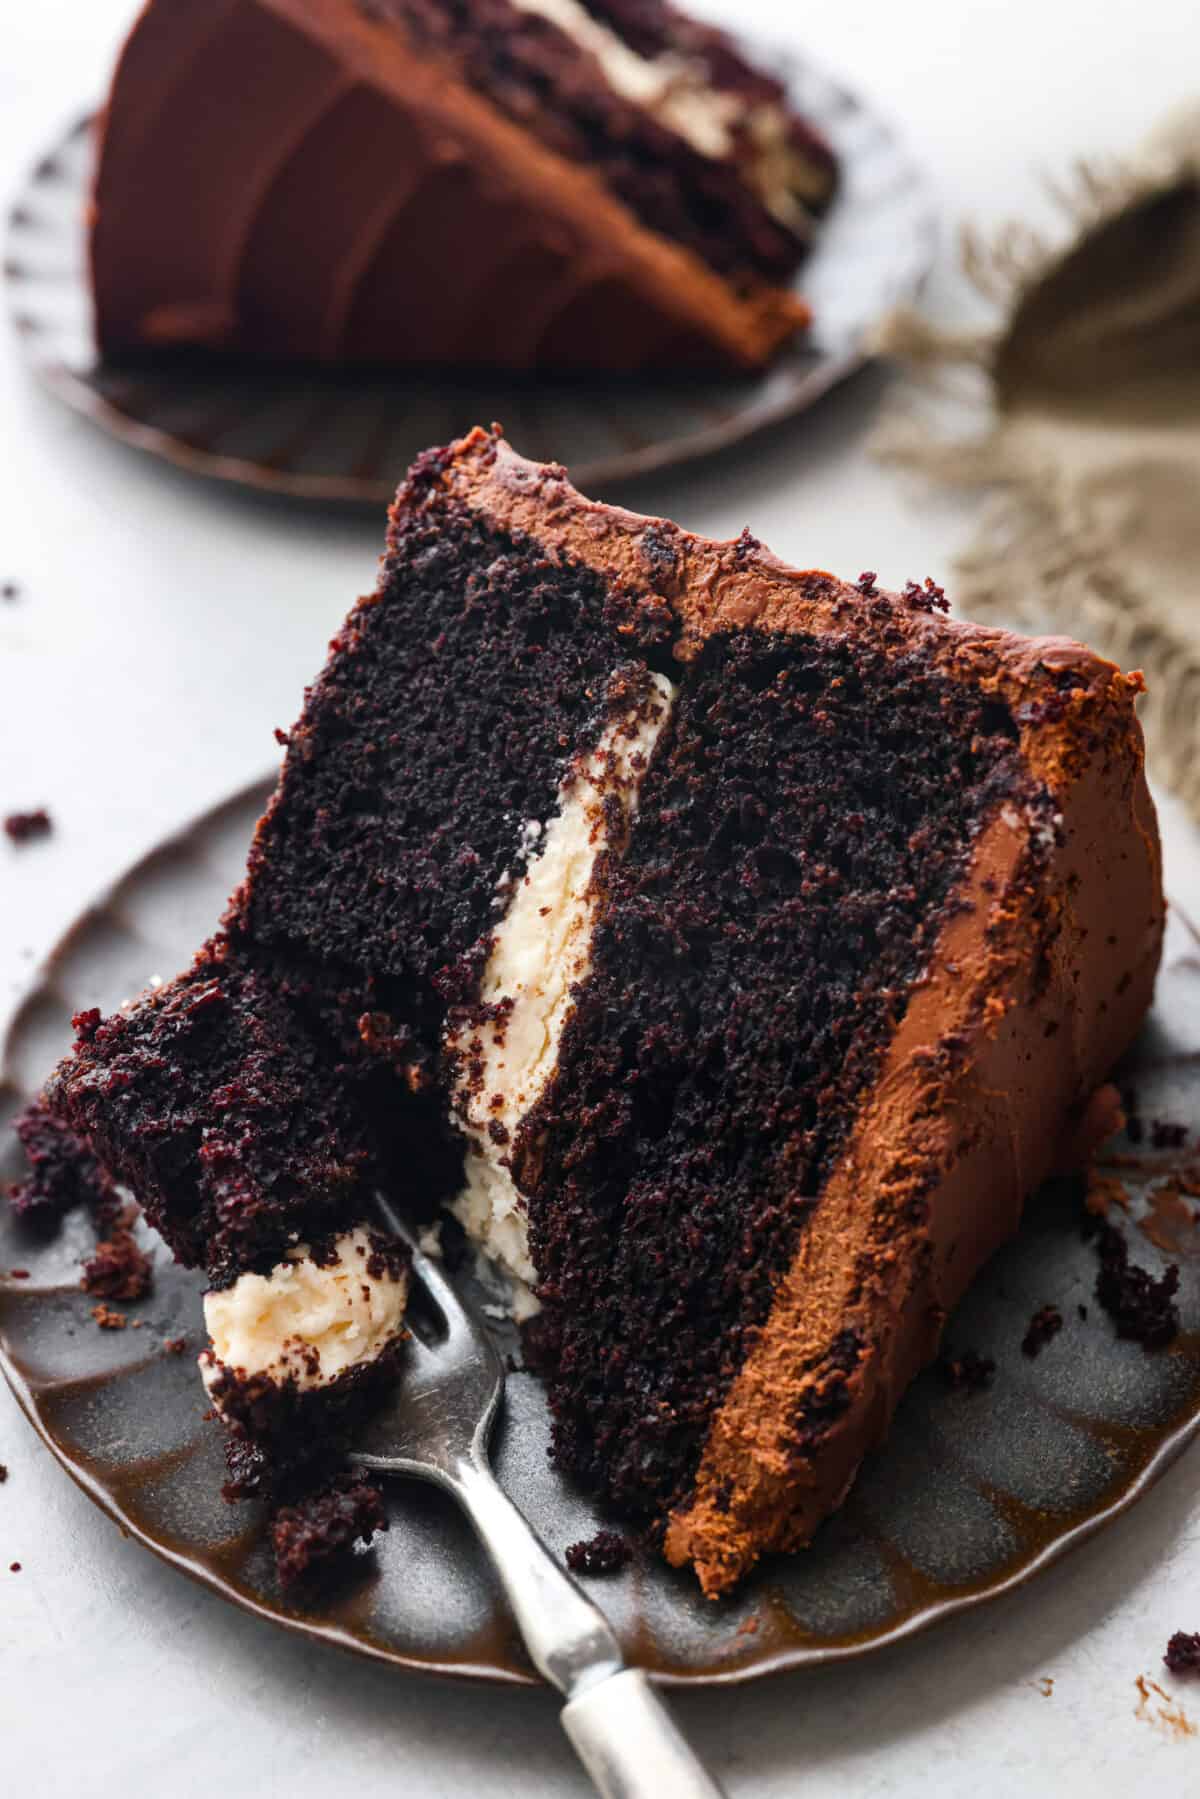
(514,183)
(732,950)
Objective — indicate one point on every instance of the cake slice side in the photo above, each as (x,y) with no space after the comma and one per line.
(1041,971)
(358,144)
(991,1084)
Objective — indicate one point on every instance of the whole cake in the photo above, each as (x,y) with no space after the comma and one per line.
(731,950)
(514,183)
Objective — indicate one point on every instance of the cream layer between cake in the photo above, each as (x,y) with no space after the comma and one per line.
(506,1052)
(676,91)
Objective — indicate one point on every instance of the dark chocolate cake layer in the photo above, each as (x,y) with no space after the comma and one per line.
(799,838)
(215,1106)
(738,1013)
(453,702)
(421,181)
(528,66)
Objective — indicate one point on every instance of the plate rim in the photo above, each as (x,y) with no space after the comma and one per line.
(1167,1451)
(348,491)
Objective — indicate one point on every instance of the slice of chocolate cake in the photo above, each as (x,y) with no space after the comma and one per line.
(514,183)
(732,951)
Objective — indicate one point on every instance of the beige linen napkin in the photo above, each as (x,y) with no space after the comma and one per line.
(1091,446)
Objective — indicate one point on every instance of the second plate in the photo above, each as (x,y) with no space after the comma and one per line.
(347,437)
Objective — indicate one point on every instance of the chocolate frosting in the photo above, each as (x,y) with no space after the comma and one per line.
(289,178)
(1038,982)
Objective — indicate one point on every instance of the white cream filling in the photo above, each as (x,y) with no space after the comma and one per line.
(674,88)
(540,950)
(677,92)
(305,1321)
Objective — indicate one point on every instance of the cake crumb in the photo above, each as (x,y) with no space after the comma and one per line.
(247,1468)
(109,1320)
(748,1626)
(969,1372)
(14,1567)
(10,590)
(1155,1706)
(1169,1222)
(605,1553)
(1045,1685)
(926,597)
(3,1474)
(1183,1652)
(18,1274)
(326,1526)
(175,1345)
(1142,1308)
(23,827)
(118,1268)
(1044,1326)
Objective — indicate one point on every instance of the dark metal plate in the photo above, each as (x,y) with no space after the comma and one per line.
(971,1494)
(348,437)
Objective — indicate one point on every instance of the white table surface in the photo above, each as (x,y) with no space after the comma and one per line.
(164,628)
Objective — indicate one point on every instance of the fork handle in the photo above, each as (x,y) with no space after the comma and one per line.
(619,1727)
(631,1745)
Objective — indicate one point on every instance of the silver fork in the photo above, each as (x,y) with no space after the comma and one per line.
(437,1429)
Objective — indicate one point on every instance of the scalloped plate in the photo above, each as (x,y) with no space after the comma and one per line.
(971,1494)
(348,436)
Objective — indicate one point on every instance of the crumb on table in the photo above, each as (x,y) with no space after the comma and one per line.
(23,827)
(1183,1652)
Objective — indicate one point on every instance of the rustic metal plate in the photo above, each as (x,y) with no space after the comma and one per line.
(349,436)
(972,1493)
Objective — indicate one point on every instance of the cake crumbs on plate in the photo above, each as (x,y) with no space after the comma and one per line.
(1169,1221)
(107,1319)
(1142,1308)
(605,1553)
(14,1567)
(3,1474)
(175,1345)
(325,1526)
(119,1268)
(1166,1134)
(1044,1326)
